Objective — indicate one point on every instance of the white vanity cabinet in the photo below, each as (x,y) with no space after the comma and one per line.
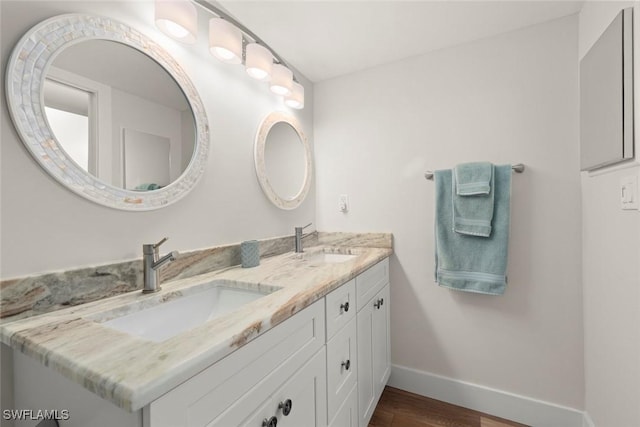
(325,366)
(373,331)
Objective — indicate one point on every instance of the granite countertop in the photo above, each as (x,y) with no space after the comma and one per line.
(131,372)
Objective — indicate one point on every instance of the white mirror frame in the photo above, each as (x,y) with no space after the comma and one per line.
(261,170)
(26,72)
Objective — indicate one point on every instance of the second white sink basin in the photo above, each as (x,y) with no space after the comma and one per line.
(329,258)
(167,319)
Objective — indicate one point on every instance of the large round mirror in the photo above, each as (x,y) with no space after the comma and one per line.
(107,112)
(283,160)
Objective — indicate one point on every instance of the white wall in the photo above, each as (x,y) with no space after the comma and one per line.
(611,265)
(506,99)
(46,227)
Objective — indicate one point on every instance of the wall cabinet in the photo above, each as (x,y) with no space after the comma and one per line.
(325,366)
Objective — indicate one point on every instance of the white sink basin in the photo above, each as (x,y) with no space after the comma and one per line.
(167,319)
(329,257)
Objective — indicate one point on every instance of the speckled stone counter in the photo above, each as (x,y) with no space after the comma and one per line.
(131,372)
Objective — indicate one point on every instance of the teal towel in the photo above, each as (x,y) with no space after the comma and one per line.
(473,178)
(473,198)
(147,187)
(472,263)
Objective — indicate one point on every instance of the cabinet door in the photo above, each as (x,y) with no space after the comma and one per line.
(342,365)
(374,357)
(366,387)
(306,392)
(381,341)
(347,415)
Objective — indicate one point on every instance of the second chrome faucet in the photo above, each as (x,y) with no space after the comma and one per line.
(299,236)
(152,262)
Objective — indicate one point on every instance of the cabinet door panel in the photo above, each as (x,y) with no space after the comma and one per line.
(342,365)
(366,386)
(381,341)
(341,307)
(308,394)
(347,415)
(369,282)
(307,391)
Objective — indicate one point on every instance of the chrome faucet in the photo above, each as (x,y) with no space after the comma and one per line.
(151,263)
(300,236)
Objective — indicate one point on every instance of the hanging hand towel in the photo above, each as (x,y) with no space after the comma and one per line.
(473,198)
(472,263)
(473,178)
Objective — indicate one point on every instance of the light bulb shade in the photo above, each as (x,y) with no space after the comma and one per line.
(225,41)
(178,19)
(258,62)
(281,80)
(296,99)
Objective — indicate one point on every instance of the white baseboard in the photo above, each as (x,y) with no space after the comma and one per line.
(587,421)
(494,402)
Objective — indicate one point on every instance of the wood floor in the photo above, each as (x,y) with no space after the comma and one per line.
(399,408)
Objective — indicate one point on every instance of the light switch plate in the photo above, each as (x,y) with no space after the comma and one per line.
(629,192)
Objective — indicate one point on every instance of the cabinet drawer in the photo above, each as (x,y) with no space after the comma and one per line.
(262,363)
(347,415)
(369,282)
(342,368)
(305,390)
(341,307)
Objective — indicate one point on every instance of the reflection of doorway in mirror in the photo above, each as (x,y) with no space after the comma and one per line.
(67,108)
(145,160)
(71,93)
(73,129)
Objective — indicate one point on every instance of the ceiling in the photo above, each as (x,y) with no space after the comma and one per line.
(109,63)
(325,39)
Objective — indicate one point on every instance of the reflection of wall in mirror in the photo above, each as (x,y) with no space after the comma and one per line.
(133,112)
(146,160)
(285,160)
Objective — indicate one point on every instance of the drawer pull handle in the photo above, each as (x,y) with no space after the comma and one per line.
(345,306)
(271,422)
(378,303)
(346,365)
(286,407)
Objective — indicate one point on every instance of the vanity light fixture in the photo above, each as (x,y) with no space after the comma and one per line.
(233,43)
(225,41)
(296,99)
(178,19)
(281,80)
(258,62)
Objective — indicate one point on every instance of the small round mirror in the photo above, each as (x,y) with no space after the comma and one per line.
(283,160)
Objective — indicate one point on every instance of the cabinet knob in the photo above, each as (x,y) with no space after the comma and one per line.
(346,365)
(345,306)
(286,407)
(271,422)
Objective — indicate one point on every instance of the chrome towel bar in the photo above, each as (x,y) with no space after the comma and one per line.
(518,168)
